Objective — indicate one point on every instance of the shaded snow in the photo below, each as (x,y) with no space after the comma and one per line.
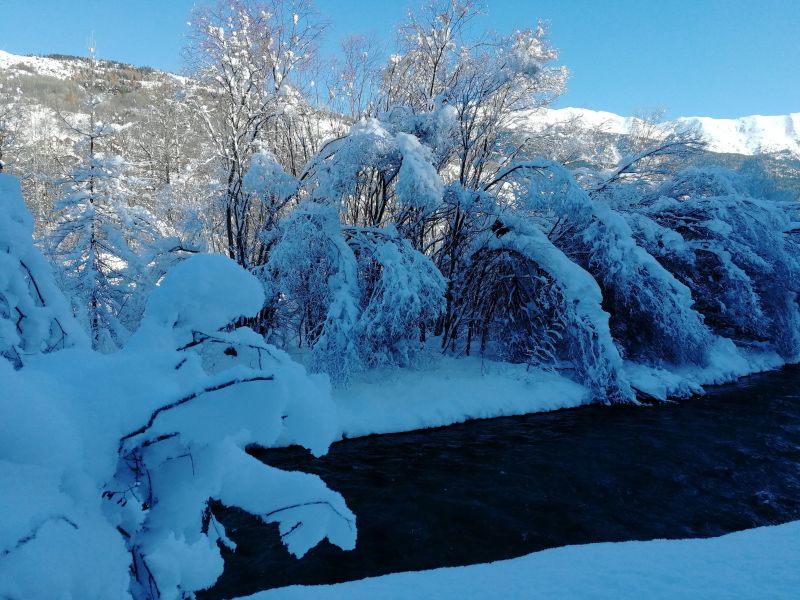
(726,363)
(449,390)
(759,563)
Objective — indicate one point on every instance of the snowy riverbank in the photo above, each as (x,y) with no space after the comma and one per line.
(453,390)
(448,391)
(757,563)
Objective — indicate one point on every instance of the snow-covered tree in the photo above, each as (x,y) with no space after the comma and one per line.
(245,52)
(34,317)
(377,176)
(355,79)
(653,314)
(402,294)
(91,252)
(313,281)
(541,303)
(459,96)
(110,463)
(101,245)
(734,251)
(358,296)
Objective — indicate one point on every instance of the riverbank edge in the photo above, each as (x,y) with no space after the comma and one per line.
(449,390)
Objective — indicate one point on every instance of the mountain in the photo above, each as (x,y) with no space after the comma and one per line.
(748,136)
(751,135)
(595,138)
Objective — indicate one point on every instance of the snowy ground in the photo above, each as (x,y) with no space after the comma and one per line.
(727,364)
(451,390)
(758,563)
(447,391)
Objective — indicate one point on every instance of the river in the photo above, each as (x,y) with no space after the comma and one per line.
(500,488)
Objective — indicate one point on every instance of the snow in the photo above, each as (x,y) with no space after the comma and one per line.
(449,390)
(266,177)
(190,297)
(420,185)
(109,460)
(53,67)
(63,67)
(28,288)
(726,363)
(446,391)
(749,135)
(594,119)
(754,564)
(756,134)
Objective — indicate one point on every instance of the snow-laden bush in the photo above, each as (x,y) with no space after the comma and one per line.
(578,315)
(402,292)
(357,297)
(34,317)
(734,252)
(313,282)
(109,463)
(652,313)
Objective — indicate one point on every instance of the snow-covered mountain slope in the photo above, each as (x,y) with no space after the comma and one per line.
(756,134)
(752,135)
(749,136)
(60,68)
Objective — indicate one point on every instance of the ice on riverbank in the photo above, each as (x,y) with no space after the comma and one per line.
(758,563)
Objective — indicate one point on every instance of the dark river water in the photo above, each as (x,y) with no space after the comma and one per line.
(489,490)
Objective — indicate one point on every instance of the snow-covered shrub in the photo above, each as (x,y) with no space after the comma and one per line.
(652,313)
(513,309)
(356,296)
(312,277)
(109,463)
(575,303)
(34,316)
(732,250)
(402,292)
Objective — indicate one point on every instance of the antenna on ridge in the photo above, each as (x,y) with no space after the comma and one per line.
(92,46)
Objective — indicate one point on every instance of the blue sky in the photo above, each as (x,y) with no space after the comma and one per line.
(722,58)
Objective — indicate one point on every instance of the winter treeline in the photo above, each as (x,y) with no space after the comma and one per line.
(422,216)
(433,220)
(138,368)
